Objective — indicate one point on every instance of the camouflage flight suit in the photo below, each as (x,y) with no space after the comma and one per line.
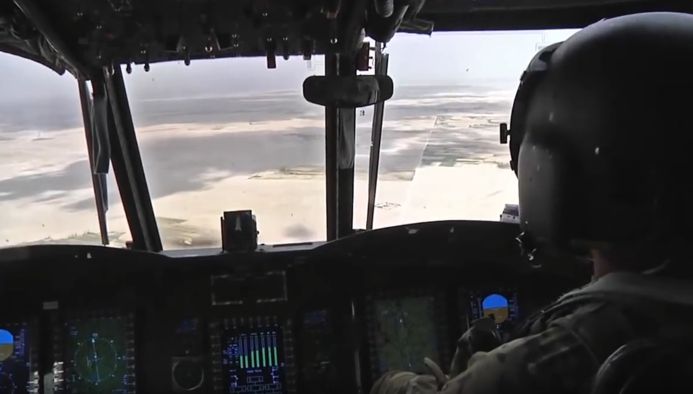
(565,345)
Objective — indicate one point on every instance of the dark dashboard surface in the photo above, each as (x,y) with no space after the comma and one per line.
(313,319)
(82,36)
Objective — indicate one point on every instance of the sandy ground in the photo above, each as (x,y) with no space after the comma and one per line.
(440,160)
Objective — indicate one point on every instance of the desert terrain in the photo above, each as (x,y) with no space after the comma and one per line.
(264,151)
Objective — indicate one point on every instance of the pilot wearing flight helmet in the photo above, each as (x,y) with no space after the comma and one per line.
(600,142)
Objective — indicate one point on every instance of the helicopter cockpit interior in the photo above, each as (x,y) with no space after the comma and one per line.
(308,317)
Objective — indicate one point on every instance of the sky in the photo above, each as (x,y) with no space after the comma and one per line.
(443,58)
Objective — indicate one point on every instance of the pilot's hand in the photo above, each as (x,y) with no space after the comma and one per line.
(482,336)
(400,382)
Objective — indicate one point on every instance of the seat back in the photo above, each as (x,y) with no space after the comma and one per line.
(646,366)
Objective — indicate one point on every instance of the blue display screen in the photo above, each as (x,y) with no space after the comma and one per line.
(494,301)
(16,368)
(502,306)
(6,338)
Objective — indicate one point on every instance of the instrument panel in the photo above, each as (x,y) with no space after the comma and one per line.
(404,330)
(502,305)
(18,358)
(305,321)
(253,356)
(97,350)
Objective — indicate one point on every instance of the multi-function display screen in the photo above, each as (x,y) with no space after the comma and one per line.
(16,363)
(405,332)
(253,356)
(98,356)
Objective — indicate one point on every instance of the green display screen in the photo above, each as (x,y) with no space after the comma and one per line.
(405,333)
(96,356)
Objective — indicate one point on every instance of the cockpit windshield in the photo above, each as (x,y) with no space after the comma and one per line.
(46,192)
(440,156)
(229,134)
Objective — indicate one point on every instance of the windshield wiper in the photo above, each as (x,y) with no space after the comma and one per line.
(381,62)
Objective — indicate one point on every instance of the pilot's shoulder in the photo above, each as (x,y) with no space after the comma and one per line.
(554,358)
